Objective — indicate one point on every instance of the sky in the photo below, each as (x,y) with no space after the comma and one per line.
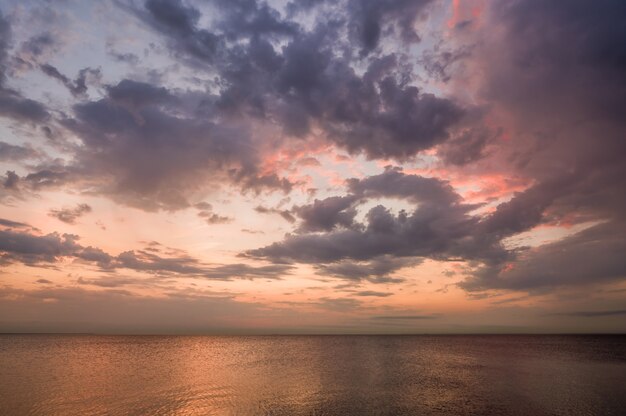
(313,166)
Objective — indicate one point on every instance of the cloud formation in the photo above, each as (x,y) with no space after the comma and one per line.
(12,104)
(47,250)
(476,146)
(70,215)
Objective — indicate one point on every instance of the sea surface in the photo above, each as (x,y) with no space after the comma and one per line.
(312,375)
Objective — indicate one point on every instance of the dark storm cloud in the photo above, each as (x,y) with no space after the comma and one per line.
(47,250)
(70,215)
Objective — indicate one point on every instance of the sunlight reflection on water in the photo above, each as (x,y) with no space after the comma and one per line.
(311,375)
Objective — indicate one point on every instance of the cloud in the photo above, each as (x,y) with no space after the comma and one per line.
(12,104)
(70,215)
(77,87)
(287,216)
(245,271)
(559,264)
(47,250)
(373,293)
(249,231)
(327,214)
(206,212)
(368,18)
(376,270)
(11,152)
(307,82)
(440,227)
(32,249)
(575,160)
(156,152)
(137,94)
(38,45)
(48,177)
(13,224)
(571,180)
(11,180)
(537,100)
(468,144)
(156,147)
(395,184)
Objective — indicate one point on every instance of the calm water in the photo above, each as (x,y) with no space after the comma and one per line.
(312,375)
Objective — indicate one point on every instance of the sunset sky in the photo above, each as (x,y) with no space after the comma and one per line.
(312,166)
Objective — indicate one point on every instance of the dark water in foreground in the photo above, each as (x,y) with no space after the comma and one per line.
(312,375)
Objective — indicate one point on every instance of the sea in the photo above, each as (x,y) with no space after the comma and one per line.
(313,375)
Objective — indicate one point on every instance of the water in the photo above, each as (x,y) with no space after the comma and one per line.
(312,375)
